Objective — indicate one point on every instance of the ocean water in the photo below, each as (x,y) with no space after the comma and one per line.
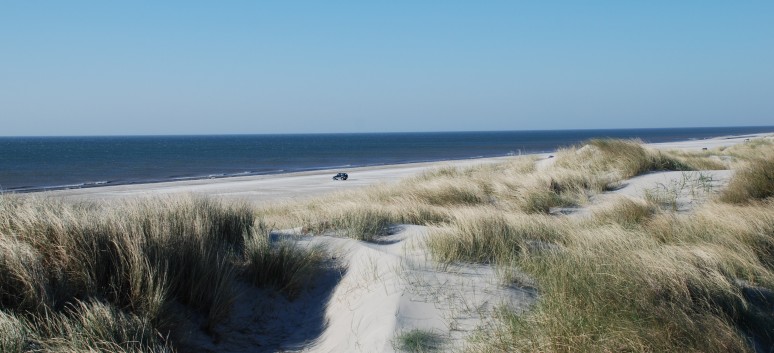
(44,163)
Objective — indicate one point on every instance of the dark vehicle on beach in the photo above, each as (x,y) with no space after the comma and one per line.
(341,176)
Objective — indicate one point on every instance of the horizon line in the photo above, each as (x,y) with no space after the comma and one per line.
(383,132)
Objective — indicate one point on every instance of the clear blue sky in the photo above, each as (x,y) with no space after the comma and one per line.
(211,67)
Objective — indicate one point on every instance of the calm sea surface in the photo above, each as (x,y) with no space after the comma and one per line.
(40,163)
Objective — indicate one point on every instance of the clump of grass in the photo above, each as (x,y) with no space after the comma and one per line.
(750,149)
(625,158)
(486,236)
(350,219)
(704,160)
(753,182)
(747,229)
(22,275)
(539,194)
(14,334)
(80,327)
(663,197)
(541,201)
(419,341)
(445,192)
(103,278)
(279,264)
(627,212)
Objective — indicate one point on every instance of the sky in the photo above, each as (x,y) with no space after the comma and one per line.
(254,67)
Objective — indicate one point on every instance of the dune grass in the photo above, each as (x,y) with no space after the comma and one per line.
(80,277)
(279,264)
(631,276)
(755,181)
(635,280)
(515,185)
(418,341)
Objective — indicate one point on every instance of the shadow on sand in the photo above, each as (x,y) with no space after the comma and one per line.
(264,320)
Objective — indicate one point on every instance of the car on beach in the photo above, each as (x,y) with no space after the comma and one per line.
(341,176)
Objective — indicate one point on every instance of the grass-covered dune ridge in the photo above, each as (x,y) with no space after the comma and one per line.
(517,186)
(631,277)
(665,282)
(86,277)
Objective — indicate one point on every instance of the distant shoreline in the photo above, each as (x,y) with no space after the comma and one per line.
(104,161)
(272,188)
(101,184)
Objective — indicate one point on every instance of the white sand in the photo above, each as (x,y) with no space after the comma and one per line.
(391,288)
(385,288)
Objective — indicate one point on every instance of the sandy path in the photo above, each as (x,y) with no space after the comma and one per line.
(391,287)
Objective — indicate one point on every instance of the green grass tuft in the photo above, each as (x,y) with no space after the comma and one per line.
(419,341)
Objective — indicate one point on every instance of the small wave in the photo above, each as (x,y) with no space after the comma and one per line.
(176,178)
(79,185)
(325,167)
(66,186)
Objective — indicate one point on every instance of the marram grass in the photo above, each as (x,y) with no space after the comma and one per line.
(630,277)
(83,277)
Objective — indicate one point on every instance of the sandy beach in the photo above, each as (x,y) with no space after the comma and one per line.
(267,189)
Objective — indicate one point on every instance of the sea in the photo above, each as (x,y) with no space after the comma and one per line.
(29,164)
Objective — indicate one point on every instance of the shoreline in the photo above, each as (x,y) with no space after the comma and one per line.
(101,184)
(270,188)
(104,164)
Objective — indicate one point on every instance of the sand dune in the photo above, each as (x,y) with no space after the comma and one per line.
(376,291)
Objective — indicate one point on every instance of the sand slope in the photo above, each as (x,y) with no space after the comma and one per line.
(391,287)
(372,293)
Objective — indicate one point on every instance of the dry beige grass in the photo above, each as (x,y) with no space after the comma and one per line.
(85,277)
(648,282)
(632,277)
(755,181)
